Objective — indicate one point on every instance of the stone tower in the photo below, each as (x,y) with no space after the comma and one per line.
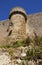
(17,24)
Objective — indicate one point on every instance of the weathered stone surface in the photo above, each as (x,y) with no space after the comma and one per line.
(35,23)
(31,62)
(17,28)
(39,62)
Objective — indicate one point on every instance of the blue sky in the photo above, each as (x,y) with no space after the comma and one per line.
(30,6)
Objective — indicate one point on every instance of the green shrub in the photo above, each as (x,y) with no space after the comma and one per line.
(23,63)
(19,43)
(35,53)
(38,40)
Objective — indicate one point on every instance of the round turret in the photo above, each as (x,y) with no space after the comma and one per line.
(17,24)
(18,10)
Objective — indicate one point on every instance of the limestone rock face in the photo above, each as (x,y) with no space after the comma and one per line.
(35,23)
(3,30)
(31,62)
(20,25)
